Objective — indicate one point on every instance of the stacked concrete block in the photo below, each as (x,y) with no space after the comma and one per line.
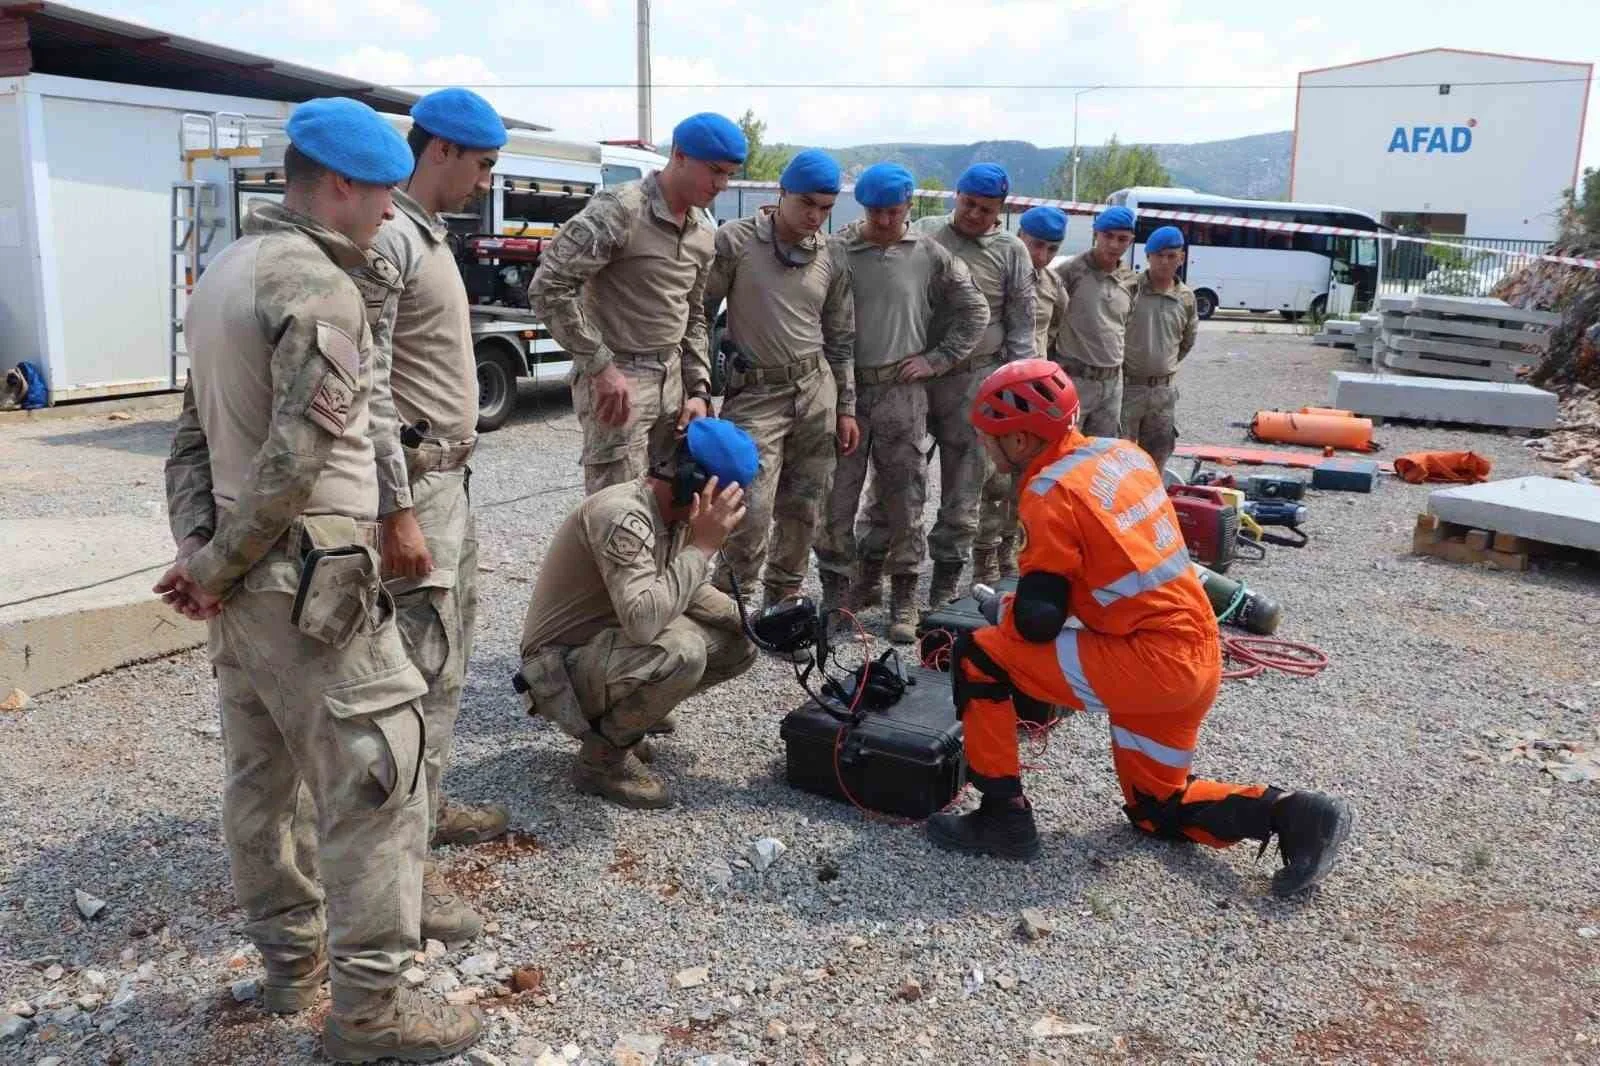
(1479,403)
(1476,338)
(1337,333)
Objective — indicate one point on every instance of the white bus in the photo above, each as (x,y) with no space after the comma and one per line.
(1243,268)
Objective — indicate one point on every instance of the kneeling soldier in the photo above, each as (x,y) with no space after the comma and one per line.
(624,623)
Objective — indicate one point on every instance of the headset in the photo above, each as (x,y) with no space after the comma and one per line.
(687,476)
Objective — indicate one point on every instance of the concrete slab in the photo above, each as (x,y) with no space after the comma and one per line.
(1412,363)
(1479,403)
(1541,508)
(1398,302)
(1465,327)
(1479,352)
(49,637)
(1483,307)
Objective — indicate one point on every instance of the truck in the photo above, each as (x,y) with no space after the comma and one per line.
(116,194)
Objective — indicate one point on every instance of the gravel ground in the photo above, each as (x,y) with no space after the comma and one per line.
(1460,927)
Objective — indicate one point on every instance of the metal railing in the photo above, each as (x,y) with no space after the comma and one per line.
(1474,270)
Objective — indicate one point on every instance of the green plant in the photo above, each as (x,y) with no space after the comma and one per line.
(1102,172)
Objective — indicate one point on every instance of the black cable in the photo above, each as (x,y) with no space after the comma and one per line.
(934,86)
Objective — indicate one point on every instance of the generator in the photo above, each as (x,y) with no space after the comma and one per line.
(1209,522)
(903,757)
(497,270)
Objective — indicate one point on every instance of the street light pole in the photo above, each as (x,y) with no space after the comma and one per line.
(644,70)
(1075,96)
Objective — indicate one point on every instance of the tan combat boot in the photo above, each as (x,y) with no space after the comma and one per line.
(617,774)
(942,589)
(903,608)
(1008,556)
(462,823)
(445,915)
(399,1023)
(292,985)
(869,588)
(985,565)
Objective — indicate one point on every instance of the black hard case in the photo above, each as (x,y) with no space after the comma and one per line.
(956,617)
(904,760)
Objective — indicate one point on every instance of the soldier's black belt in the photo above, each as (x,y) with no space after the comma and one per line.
(1076,369)
(778,375)
(1151,382)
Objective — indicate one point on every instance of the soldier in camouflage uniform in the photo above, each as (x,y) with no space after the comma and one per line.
(994,552)
(622,290)
(1160,333)
(430,542)
(272,490)
(1099,292)
(900,278)
(791,321)
(624,624)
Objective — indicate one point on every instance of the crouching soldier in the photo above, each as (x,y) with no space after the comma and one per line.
(624,623)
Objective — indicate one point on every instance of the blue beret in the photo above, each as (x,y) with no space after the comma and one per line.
(1164,238)
(813,170)
(1044,223)
(350,138)
(984,179)
(462,117)
(710,138)
(1113,218)
(724,450)
(884,185)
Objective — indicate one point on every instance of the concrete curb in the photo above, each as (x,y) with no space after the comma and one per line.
(165,401)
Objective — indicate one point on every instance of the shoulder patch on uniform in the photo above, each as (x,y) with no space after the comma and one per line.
(631,535)
(1022,535)
(336,387)
(340,350)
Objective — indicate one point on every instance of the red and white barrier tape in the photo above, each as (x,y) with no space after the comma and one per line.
(1076,208)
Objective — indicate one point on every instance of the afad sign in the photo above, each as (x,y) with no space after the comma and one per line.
(1418,139)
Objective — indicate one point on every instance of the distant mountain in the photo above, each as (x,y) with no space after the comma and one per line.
(1256,167)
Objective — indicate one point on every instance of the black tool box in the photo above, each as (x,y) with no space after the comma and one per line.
(955,618)
(905,759)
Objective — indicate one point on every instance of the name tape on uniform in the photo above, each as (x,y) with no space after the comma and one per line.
(1075,208)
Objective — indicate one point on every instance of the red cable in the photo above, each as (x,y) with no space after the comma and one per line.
(1259,654)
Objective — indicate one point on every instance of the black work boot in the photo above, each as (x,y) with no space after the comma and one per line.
(1001,827)
(1310,827)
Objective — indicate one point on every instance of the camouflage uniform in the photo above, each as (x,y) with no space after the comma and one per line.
(1003,273)
(623,283)
(320,718)
(423,329)
(997,516)
(623,625)
(788,322)
(1091,341)
(898,290)
(1161,332)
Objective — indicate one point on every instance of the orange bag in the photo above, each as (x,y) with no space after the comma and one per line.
(1465,468)
(1335,431)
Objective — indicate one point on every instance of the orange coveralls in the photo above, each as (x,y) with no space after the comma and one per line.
(1094,511)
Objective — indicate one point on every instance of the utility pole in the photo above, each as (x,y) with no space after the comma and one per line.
(644,71)
(1075,96)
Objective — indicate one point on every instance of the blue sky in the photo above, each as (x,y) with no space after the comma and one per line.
(1078,42)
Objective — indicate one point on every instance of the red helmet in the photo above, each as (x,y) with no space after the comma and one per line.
(1030,396)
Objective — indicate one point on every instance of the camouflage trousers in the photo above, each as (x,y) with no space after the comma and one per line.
(1099,398)
(436,614)
(624,687)
(324,807)
(795,430)
(1148,419)
(893,420)
(997,516)
(616,454)
(962,467)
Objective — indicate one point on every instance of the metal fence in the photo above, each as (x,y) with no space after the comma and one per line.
(1440,269)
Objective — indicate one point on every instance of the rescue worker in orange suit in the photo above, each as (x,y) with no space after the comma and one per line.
(1109,616)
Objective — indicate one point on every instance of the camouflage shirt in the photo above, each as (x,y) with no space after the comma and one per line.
(1098,305)
(899,290)
(624,277)
(275,421)
(783,314)
(615,562)
(1000,268)
(1161,329)
(1049,310)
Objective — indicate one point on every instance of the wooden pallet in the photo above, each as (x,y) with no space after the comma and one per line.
(1464,544)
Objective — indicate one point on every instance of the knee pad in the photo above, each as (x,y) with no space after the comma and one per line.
(993,684)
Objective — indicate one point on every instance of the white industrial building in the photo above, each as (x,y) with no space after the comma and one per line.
(1451,141)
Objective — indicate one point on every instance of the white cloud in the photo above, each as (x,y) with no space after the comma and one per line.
(387,66)
(336,20)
